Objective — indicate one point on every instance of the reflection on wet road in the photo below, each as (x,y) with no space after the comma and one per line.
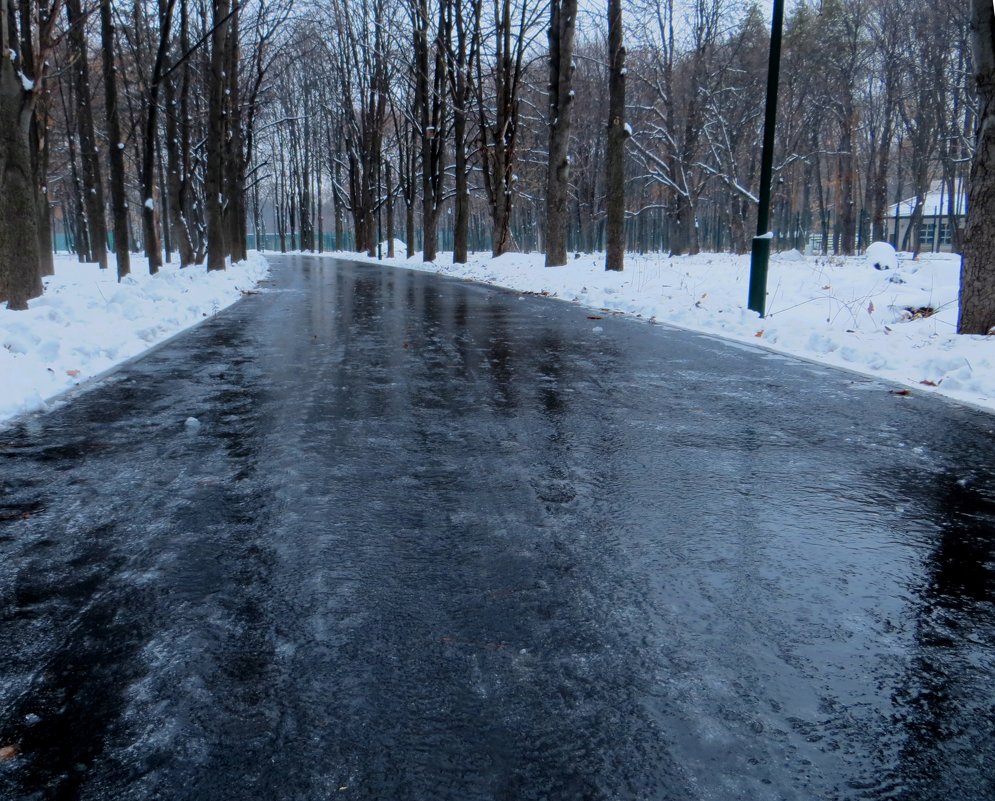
(435,541)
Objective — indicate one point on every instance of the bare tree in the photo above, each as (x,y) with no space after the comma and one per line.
(499,77)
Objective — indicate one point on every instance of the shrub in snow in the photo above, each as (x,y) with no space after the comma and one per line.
(881,256)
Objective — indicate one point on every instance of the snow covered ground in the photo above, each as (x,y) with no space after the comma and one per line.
(894,324)
(86,322)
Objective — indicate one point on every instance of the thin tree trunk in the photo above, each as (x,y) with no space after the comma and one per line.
(390,213)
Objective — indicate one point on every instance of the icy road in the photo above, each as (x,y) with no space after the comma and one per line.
(372,534)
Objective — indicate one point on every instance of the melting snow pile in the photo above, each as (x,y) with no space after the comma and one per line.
(86,322)
(891,317)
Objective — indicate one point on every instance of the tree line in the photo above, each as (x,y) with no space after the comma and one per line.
(470,125)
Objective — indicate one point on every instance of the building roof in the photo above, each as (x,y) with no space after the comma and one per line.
(934,204)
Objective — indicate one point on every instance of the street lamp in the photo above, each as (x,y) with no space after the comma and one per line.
(760,257)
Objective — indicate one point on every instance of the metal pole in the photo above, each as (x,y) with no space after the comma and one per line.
(761,242)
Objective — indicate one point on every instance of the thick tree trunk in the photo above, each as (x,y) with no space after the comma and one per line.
(20,279)
(561,101)
(617,134)
(977,283)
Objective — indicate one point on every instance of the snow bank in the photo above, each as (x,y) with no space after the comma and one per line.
(87,322)
(898,324)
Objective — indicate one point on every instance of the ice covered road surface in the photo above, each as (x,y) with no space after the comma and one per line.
(373,534)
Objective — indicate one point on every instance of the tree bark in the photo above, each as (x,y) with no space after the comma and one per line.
(235,164)
(214,177)
(20,279)
(390,212)
(93,187)
(561,101)
(150,232)
(977,285)
(467,42)
(177,181)
(617,134)
(430,111)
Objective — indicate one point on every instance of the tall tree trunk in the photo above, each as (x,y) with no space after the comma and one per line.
(81,238)
(847,206)
(177,180)
(390,213)
(20,279)
(430,108)
(119,202)
(234,169)
(93,187)
(617,134)
(150,231)
(40,152)
(561,101)
(163,219)
(977,283)
(339,229)
(214,176)
(467,42)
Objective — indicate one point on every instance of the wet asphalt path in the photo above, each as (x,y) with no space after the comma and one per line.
(438,541)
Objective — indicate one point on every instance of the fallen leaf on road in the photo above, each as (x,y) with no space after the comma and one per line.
(927,383)
(899,392)
(73,373)
(759,333)
(9,752)
(594,317)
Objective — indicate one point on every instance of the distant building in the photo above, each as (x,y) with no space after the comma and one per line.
(935,235)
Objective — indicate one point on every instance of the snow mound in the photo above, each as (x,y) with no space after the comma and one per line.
(881,256)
